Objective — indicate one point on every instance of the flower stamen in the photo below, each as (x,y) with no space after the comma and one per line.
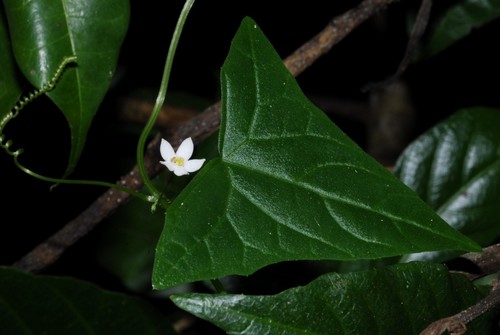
(177,160)
(180,162)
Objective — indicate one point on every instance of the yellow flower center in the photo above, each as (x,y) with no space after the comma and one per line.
(177,160)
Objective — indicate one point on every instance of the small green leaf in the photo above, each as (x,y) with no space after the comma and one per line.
(32,304)
(401,299)
(10,90)
(455,168)
(289,186)
(458,21)
(44,32)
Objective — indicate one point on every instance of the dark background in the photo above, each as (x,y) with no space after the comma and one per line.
(464,75)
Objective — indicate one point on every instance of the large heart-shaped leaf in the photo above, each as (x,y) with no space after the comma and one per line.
(289,185)
(458,21)
(402,299)
(32,304)
(455,168)
(44,32)
(10,89)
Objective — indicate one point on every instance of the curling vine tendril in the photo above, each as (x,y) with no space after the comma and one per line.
(25,100)
(14,112)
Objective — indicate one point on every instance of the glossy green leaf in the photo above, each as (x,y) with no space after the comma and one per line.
(32,304)
(455,168)
(10,89)
(44,32)
(402,299)
(289,186)
(458,21)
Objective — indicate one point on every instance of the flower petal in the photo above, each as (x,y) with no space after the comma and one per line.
(186,148)
(171,166)
(193,165)
(166,151)
(180,170)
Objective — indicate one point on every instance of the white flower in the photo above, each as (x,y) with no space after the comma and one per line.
(179,162)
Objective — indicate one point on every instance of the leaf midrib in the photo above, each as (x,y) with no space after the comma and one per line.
(326,195)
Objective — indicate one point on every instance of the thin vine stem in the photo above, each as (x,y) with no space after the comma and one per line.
(161,99)
(76,181)
(23,102)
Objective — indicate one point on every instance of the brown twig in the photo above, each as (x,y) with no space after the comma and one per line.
(333,33)
(457,324)
(487,262)
(411,48)
(200,127)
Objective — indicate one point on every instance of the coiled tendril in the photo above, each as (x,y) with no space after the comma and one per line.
(20,104)
(25,100)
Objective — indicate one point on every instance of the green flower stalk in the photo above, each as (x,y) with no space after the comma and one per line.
(155,194)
